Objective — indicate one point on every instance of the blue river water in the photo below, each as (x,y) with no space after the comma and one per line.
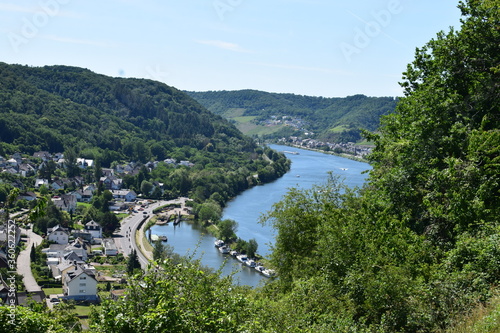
(308,168)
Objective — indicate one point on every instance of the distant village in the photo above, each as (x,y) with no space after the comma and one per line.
(349,148)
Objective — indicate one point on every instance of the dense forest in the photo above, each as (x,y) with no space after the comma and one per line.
(113,120)
(415,250)
(330,119)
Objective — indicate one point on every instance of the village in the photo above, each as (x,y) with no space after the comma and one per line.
(79,262)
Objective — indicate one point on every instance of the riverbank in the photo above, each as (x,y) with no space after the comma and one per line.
(343,155)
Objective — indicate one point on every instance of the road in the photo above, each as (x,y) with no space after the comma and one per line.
(125,238)
(24,261)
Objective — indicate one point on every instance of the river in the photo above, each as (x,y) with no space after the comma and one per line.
(308,168)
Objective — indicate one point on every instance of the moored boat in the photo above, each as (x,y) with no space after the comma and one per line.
(242,258)
(224,249)
(260,269)
(219,243)
(251,263)
(269,273)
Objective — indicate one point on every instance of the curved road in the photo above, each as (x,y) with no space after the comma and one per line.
(24,261)
(125,238)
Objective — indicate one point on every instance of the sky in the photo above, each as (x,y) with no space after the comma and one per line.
(328,48)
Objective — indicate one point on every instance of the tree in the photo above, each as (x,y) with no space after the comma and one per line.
(97,171)
(33,253)
(209,211)
(251,248)
(159,251)
(427,155)
(133,262)
(70,161)
(44,190)
(146,187)
(109,222)
(227,229)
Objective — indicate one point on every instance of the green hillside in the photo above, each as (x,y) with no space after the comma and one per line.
(330,119)
(417,250)
(60,108)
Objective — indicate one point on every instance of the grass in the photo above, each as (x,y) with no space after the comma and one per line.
(244,120)
(338,129)
(483,319)
(121,216)
(109,270)
(83,310)
(234,112)
(52,291)
(83,204)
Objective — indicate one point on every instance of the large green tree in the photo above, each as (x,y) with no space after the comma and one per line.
(436,159)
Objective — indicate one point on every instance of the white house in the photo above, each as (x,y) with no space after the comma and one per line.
(60,250)
(58,235)
(94,229)
(126,195)
(79,284)
(40,182)
(109,247)
(84,164)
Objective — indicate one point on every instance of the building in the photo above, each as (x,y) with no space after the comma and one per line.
(29,196)
(94,229)
(58,235)
(66,202)
(110,248)
(80,284)
(126,195)
(84,163)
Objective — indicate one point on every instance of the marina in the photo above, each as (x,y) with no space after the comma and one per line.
(247,208)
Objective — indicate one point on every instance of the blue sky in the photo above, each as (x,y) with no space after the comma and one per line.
(325,48)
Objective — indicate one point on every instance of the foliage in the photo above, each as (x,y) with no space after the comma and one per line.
(111,120)
(38,319)
(175,297)
(133,262)
(318,114)
(227,230)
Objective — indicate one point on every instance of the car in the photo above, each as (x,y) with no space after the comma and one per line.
(55,300)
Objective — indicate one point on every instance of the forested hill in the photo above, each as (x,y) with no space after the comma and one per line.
(331,119)
(50,108)
(56,108)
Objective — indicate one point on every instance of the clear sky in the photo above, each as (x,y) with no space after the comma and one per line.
(328,48)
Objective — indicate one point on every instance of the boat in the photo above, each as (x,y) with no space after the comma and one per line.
(234,253)
(251,263)
(219,243)
(269,273)
(224,249)
(344,169)
(291,152)
(163,238)
(242,258)
(260,269)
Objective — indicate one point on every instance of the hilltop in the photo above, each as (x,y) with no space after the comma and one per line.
(114,120)
(273,114)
